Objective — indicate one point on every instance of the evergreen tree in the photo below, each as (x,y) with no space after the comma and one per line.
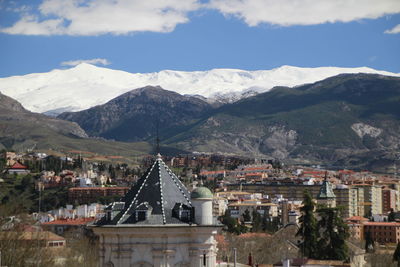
(246,216)
(256,222)
(396,254)
(391,216)
(308,227)
(334,232)
(369,242)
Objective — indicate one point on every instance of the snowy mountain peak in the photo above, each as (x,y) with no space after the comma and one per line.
(86,85)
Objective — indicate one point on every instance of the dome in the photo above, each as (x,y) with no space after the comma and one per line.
(201,192)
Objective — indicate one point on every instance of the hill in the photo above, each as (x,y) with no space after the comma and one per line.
(135,115)
(21,130)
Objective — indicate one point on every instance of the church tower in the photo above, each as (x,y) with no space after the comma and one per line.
(326,196)
(158,223)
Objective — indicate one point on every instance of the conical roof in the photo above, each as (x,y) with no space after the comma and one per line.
(159,195)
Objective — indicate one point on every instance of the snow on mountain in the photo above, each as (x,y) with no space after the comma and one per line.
(86,85)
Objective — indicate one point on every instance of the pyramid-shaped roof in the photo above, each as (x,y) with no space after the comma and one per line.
(159,195)
(18,165)
(326,190)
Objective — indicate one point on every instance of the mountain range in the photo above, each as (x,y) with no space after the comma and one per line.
(348,120)
(85,85)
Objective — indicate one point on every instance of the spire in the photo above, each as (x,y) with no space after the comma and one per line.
(157,141)
(159,197)
(326,190)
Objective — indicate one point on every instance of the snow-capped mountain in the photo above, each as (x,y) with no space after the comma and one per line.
(86,85)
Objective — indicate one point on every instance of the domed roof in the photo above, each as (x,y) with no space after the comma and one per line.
(201,192)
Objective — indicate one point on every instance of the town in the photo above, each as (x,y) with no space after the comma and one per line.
(49,202)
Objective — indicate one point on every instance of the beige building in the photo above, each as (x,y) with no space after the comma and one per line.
(351,199)
(372,199)
(238,209)
(159,223)
(289,191)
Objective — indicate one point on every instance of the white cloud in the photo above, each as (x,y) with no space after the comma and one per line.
(118,17)
(94,61)
(95,17)
(396,29)
(305,12)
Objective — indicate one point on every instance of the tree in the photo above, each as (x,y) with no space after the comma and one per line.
(334,232)
(232,225)
(391,216)
(369,242)
(246,216)
(256,222)
(308,227)
(396,254)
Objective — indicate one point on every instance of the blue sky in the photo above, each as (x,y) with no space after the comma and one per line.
(153,35)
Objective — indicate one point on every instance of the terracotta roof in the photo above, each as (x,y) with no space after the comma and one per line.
(356,218)
(18,165)
(81,221)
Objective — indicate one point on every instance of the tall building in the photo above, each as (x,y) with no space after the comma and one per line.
(372,199)
(351,199)
(158,223)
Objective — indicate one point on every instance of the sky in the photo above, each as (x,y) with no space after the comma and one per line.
(152,35)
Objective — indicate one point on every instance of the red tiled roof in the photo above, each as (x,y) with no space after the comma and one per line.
(356,218)
(18,165)
(81,221)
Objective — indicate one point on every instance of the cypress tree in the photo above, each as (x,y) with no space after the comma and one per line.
(396,254)
(308,227)
(334,232)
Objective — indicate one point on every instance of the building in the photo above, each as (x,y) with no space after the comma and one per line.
(351,199)
(356,226)
(75,227)
(326,196)
(236,210)
(158,223)
(289,191)
(372,199)
(18,168)
(92,194)
(383,232)
(220,205)
(389,198)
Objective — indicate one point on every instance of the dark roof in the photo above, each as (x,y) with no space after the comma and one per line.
(156,193)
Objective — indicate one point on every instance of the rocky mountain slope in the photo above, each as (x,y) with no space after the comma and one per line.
(136,114)
(347,120)
(86,86)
